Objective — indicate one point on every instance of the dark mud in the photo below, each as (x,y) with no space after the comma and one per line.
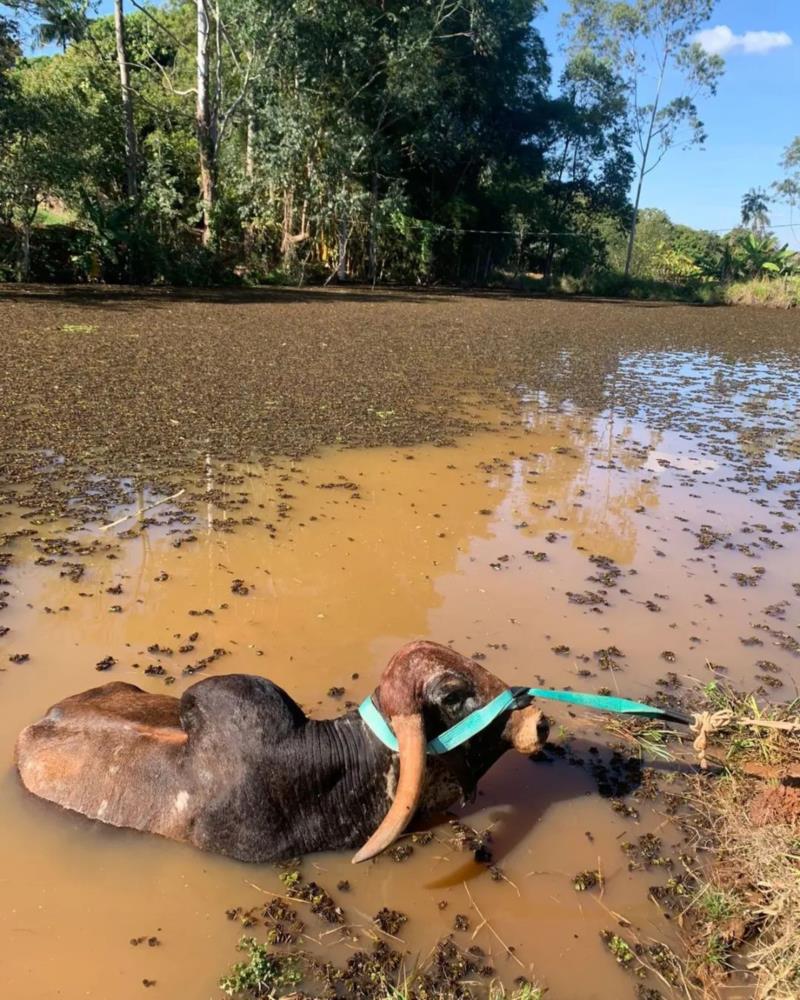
(137,387)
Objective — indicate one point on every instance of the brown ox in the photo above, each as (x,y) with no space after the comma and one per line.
(235,766)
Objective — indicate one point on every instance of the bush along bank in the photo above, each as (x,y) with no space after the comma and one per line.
(736,896)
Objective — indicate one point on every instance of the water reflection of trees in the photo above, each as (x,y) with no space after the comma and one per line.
(580,480)
(346,569)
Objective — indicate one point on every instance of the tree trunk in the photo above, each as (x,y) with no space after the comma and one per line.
(248,149)
(24,262)
(287,243)
(634,221)
(555,215)
(249,168)
(549,257)
(131,177)
(373,236)
(205,126)
(643,166)
(341,272)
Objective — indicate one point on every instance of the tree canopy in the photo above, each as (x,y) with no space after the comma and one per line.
(305,139)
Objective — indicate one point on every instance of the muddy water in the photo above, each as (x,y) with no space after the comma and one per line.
(345,556)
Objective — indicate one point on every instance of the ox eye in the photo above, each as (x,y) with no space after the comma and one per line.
(454,698)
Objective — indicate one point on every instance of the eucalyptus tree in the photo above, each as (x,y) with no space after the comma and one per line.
(234,40)
(788,188)
(651,44)
(129,127)
(206,119)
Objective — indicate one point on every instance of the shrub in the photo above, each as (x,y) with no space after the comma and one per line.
(782,293)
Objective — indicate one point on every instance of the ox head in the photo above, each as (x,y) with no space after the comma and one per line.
(426,689)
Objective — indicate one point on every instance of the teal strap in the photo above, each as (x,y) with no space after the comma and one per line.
(376,722)
(478,720)
(474,723)
(605,703)
(462,731)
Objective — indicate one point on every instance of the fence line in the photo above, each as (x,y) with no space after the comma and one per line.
(419,223)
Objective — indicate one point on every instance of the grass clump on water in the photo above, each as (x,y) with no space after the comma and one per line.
(264,974)
(377,975)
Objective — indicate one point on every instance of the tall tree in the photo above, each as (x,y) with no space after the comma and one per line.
(128,124)
(589,164)
(205,118)
(650,43)
(755,211)
(788,188)
(230,46)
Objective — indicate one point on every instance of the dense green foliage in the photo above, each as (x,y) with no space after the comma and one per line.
(376,141)
(308,140)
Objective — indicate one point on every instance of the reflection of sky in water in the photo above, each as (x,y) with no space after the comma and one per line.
(731,383)
(739,410)
(657,460)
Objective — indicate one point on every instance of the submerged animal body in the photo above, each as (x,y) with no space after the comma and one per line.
(234,766)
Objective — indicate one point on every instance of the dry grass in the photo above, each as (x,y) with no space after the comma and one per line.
(739,908)
(782,293)
(744,917)
(742,920)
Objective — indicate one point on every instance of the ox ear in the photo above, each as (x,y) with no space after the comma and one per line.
(410,734)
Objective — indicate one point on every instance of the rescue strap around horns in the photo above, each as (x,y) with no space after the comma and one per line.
(515,697)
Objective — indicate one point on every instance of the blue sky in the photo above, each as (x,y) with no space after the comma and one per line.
(754,116)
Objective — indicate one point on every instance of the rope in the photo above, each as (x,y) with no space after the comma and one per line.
(705,724)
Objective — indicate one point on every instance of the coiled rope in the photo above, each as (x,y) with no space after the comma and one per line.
(705,724)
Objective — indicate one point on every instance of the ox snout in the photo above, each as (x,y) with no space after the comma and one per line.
(528,729)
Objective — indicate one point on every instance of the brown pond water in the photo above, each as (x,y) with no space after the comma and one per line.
(373,548)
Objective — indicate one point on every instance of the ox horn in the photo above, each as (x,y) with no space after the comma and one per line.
(410,734)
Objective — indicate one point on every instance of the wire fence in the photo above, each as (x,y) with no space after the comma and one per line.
(526,234)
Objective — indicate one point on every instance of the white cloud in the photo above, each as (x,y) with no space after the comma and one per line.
(764,41)
(720,40)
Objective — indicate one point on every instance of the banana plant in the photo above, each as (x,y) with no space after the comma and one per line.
(762,255)
(784,263)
